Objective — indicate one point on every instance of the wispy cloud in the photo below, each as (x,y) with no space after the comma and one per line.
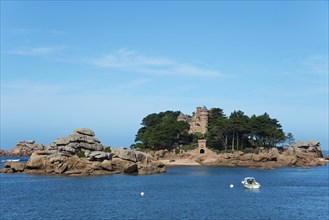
(127,60)
(35,51)
(316,64)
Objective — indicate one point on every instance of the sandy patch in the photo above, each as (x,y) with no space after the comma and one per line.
(180,162)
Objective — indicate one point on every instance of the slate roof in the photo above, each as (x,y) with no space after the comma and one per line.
(204,109)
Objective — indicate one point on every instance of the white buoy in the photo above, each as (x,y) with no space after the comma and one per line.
(142,193)
(231,186)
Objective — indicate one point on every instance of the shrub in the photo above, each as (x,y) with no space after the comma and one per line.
(107,149)
(191,146)
(137,146)
(81,154)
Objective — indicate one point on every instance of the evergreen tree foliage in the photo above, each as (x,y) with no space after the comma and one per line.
(290,138)
(236,132)
(162,131)
(217,129)
(239,131)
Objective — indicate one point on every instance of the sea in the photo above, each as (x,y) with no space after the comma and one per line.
(184,192)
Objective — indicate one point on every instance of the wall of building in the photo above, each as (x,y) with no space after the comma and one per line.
(199,122)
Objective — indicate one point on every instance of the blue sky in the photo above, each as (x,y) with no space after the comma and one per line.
(106,65)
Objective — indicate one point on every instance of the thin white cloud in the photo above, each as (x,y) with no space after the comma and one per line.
(127,60)
(35,51)
(316,64)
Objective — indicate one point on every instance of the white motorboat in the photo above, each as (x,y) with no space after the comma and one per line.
(250,183)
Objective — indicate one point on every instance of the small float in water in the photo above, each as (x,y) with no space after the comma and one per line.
(250,183)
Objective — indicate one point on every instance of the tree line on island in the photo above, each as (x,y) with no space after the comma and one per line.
(237,131)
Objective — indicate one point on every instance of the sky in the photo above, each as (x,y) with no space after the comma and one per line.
(105,65)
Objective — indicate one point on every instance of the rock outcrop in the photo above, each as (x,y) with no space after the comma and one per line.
(11,167)
(82,154)
(299,154)
(2,152)
(327,157)
(23,148)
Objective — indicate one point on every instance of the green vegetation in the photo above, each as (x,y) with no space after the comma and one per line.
(162,131)
(107,149)
(234,132)
(81,154)
(187,147)
(290,139)
(238,131)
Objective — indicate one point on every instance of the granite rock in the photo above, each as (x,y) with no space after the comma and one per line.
(125,154)
(81,154)
(85,131)
(23,148)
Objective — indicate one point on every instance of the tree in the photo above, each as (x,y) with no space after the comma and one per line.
(217,135)
(290,139)
(162,131)
(238,122)
(238,131)
(266,131)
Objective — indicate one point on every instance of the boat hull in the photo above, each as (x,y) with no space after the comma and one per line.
(251,186)
(250,183)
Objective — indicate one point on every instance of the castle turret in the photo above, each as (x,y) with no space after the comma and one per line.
(198,122)
(204,113)
(198,110)
(181,117)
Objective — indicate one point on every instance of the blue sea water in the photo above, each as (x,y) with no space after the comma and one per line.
(181,193)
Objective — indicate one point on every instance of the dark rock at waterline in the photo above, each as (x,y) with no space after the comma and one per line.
(15,166)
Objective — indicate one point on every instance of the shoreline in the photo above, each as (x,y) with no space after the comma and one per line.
(81,154)
(184,163)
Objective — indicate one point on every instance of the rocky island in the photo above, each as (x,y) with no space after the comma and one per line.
(82,154)
(301,154)
(207,138)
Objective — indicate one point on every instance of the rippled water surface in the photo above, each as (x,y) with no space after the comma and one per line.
(181,193)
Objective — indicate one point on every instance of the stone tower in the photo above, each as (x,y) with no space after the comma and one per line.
(204,113)
(199,121)
(198,124)
(202,145)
